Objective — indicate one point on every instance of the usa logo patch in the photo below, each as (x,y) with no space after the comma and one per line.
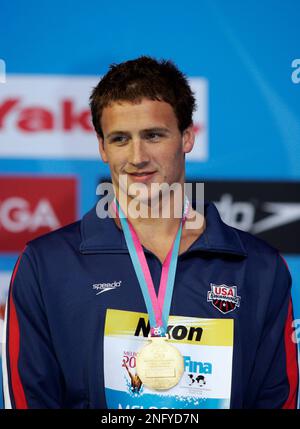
(224,298)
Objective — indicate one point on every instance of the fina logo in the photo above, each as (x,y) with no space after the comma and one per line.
(197,367)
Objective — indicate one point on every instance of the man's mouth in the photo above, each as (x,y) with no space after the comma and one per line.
(142,175)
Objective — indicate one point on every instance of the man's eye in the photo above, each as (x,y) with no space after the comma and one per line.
(153,136)
(119,139)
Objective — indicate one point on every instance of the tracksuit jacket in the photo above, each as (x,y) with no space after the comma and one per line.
(54,323)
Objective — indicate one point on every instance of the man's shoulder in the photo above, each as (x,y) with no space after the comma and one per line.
(230,237)
(64,236)
(262,257)
(254,244)
(74,236)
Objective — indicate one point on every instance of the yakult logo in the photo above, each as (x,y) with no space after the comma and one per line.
(30,207)
(49,116)
(34,118)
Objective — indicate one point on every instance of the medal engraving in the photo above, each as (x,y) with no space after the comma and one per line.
(159,364)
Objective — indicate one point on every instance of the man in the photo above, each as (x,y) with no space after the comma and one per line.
(215,301)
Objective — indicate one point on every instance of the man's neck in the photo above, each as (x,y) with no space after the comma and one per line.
(158,220)
(158,234)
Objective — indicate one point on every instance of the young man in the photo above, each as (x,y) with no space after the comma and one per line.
(215,301)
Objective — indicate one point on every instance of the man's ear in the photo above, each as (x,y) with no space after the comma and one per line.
(101,148)
(188,139)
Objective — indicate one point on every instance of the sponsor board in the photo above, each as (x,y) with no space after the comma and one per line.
(32,206)
(269,210)
(49,117)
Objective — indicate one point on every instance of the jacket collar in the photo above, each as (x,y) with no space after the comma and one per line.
(103,235)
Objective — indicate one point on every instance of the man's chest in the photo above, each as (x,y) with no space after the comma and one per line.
(106,285)
(203,287)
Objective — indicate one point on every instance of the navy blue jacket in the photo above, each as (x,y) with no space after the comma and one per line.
(55,319)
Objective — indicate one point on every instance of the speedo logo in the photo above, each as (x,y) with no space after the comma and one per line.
(105,287)
(176,332)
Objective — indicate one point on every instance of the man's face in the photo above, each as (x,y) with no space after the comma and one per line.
(143,142)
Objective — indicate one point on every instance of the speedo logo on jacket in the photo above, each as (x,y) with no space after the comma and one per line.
(104,287)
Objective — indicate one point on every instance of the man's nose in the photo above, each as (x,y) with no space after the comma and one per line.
(138,155)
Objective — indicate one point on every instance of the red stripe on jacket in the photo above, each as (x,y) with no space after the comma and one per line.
(14,349)
(292,361)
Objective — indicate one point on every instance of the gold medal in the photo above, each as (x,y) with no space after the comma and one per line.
(159,364)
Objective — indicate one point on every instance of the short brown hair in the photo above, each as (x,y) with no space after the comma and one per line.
(144,77)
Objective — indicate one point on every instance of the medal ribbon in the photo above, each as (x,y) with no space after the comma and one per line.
(158,307)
